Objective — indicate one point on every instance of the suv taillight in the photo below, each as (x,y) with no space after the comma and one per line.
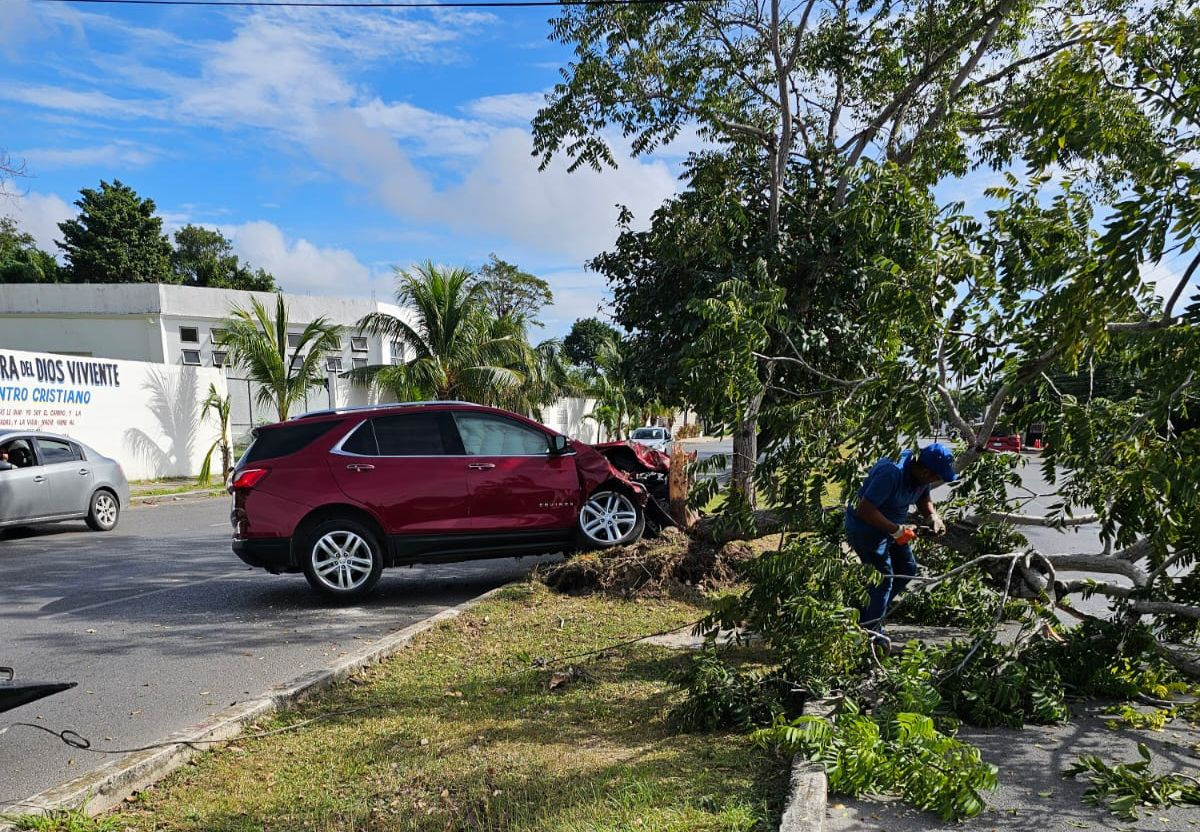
(248,478)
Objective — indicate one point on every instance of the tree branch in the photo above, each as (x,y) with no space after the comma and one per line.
(857,144)
(1039,56)
(840,382)
(1082,562)
(1183,282)
(939,112)
(1047,521)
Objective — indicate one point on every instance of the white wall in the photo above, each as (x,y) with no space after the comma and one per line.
(567,417)
(130,337)
(144,415)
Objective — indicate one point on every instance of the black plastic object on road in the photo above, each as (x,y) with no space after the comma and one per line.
(14,694)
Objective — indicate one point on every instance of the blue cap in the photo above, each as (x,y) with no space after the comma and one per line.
(939,459)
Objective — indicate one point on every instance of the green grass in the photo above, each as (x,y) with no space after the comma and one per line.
(65,820)
(461,734)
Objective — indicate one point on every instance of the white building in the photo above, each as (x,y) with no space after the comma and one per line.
(181,326)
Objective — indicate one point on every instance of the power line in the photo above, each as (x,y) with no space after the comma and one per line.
(356,4)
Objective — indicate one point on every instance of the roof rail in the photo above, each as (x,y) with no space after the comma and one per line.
(378,406)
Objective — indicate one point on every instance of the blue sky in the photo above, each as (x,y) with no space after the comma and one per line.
(329,145)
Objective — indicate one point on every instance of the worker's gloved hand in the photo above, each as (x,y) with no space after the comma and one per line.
(904,535)
(939,525)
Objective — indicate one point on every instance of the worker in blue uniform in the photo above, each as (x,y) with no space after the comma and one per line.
(877,525)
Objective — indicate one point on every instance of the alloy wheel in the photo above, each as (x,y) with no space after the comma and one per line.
(342,560)
(608,517)
(106,510)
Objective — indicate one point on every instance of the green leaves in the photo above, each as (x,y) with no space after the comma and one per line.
(903,754)
(1124,788)
(116,238)
(258,342)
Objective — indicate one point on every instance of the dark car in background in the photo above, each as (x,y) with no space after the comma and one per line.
(341,495)
(47,478)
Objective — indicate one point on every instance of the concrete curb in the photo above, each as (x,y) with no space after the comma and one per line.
(109,785)
(808,791)
(155,499)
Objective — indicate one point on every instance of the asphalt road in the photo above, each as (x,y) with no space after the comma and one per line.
(161,626)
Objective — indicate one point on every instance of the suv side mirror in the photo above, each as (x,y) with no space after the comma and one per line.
(559,444)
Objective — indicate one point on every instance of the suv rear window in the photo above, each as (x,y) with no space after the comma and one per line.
(285,440)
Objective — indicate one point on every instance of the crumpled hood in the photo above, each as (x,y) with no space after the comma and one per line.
(620,453)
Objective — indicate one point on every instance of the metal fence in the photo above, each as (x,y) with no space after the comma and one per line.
(246,412)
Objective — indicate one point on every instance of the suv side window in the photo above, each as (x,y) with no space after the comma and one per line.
(410,434)
(56,450)
(486,435)
(362,442)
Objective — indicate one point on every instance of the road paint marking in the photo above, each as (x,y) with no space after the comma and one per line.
(124,598)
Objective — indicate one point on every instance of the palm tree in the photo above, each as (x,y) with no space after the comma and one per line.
(460,351)
(258,344)
(220,406)
(548,377)
(607,386)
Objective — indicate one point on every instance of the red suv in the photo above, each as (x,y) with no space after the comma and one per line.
(339,495)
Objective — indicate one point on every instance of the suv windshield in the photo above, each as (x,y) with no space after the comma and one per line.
(648,433)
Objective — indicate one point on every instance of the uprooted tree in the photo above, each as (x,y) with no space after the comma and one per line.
(812,279)
(817,278)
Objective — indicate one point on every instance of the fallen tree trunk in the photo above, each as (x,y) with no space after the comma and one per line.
(718,528)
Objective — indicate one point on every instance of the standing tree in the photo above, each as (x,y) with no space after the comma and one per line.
(585,341)
(117,238)
(203,257)
(258,344)
(220,407)
(460,350)
(10,168)
(21,261)
(509,292)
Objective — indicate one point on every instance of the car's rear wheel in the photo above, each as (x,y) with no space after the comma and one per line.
(610,518)
(342,559)
(103,511)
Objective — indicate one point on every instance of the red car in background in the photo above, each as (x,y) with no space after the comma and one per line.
(1007,442)
(340,495)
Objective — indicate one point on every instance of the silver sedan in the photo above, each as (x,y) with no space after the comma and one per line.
(45,478)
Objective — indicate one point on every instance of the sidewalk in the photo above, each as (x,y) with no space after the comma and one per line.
(1033,796)
(170,488)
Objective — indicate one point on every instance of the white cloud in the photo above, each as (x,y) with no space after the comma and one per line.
(1163,280)
(300,266)
(123,153)
(508,108)
(552,210)
(76,101)
(577,294)
(39,214)
(430,133)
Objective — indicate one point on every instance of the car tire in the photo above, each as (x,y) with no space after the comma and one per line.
(103,511)
(342,558)
(609,518)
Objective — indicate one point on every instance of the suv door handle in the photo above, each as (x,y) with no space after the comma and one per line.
(83,472)
(360,466)
(482,466)
(39,478)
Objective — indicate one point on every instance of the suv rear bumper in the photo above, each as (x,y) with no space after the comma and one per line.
(273,554)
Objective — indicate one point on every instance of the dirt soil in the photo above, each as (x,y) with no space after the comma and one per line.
(655,567)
